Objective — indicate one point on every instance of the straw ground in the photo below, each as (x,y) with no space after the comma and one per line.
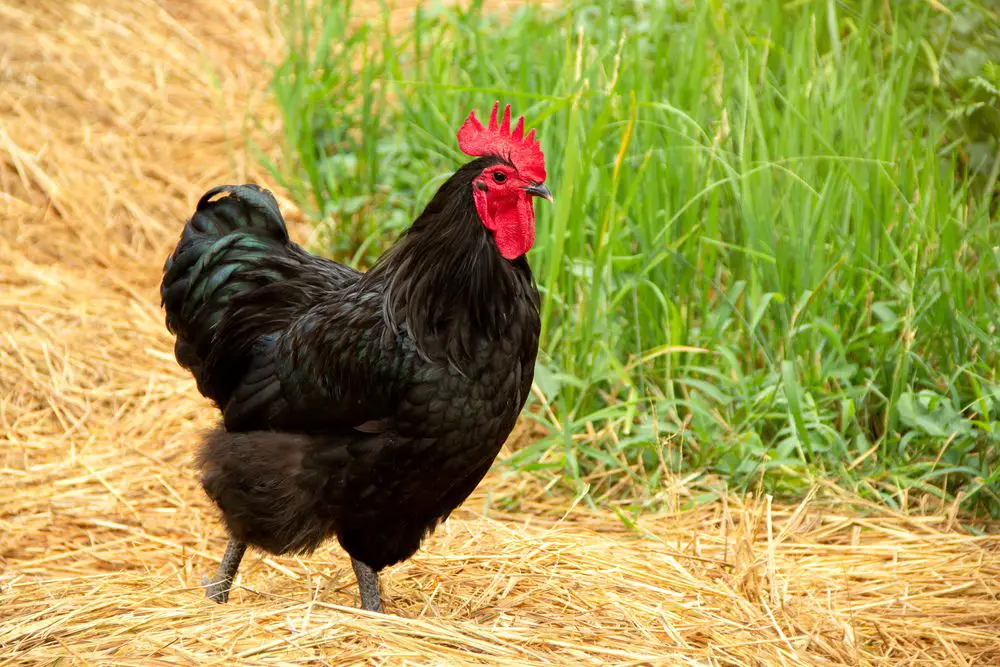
(114,117)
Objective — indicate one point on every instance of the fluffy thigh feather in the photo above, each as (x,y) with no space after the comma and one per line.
(267,490)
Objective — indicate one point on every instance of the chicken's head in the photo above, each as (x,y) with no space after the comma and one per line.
(504,191)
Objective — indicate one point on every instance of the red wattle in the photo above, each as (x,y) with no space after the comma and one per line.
(512,221)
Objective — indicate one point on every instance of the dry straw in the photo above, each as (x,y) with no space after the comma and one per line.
(114,117)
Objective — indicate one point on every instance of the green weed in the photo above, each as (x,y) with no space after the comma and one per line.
(772,258)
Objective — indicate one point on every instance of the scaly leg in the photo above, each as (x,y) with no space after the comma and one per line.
(217,588)
(371,598)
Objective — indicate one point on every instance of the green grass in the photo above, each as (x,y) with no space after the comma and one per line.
(771,258)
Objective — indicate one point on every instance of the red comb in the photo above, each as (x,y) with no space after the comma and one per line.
(497,139)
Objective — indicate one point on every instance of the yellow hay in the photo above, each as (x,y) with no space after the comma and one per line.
(114,117)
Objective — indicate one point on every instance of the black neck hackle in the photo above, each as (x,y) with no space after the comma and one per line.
(445,279)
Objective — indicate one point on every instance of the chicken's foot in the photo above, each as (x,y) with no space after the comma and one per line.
(217,588)
(371,597)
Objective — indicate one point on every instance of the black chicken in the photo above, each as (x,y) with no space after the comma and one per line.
(362,405)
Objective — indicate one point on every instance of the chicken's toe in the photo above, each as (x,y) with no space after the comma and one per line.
(216,590)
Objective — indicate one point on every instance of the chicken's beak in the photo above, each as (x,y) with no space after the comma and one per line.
(539,190)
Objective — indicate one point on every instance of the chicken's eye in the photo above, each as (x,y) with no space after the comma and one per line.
(499,176)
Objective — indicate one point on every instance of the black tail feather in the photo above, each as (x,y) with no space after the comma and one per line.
(231,246)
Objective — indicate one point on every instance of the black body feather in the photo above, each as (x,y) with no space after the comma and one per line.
(365,406)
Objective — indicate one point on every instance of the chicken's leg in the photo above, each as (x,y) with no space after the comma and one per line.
(371,597)
(217,588)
